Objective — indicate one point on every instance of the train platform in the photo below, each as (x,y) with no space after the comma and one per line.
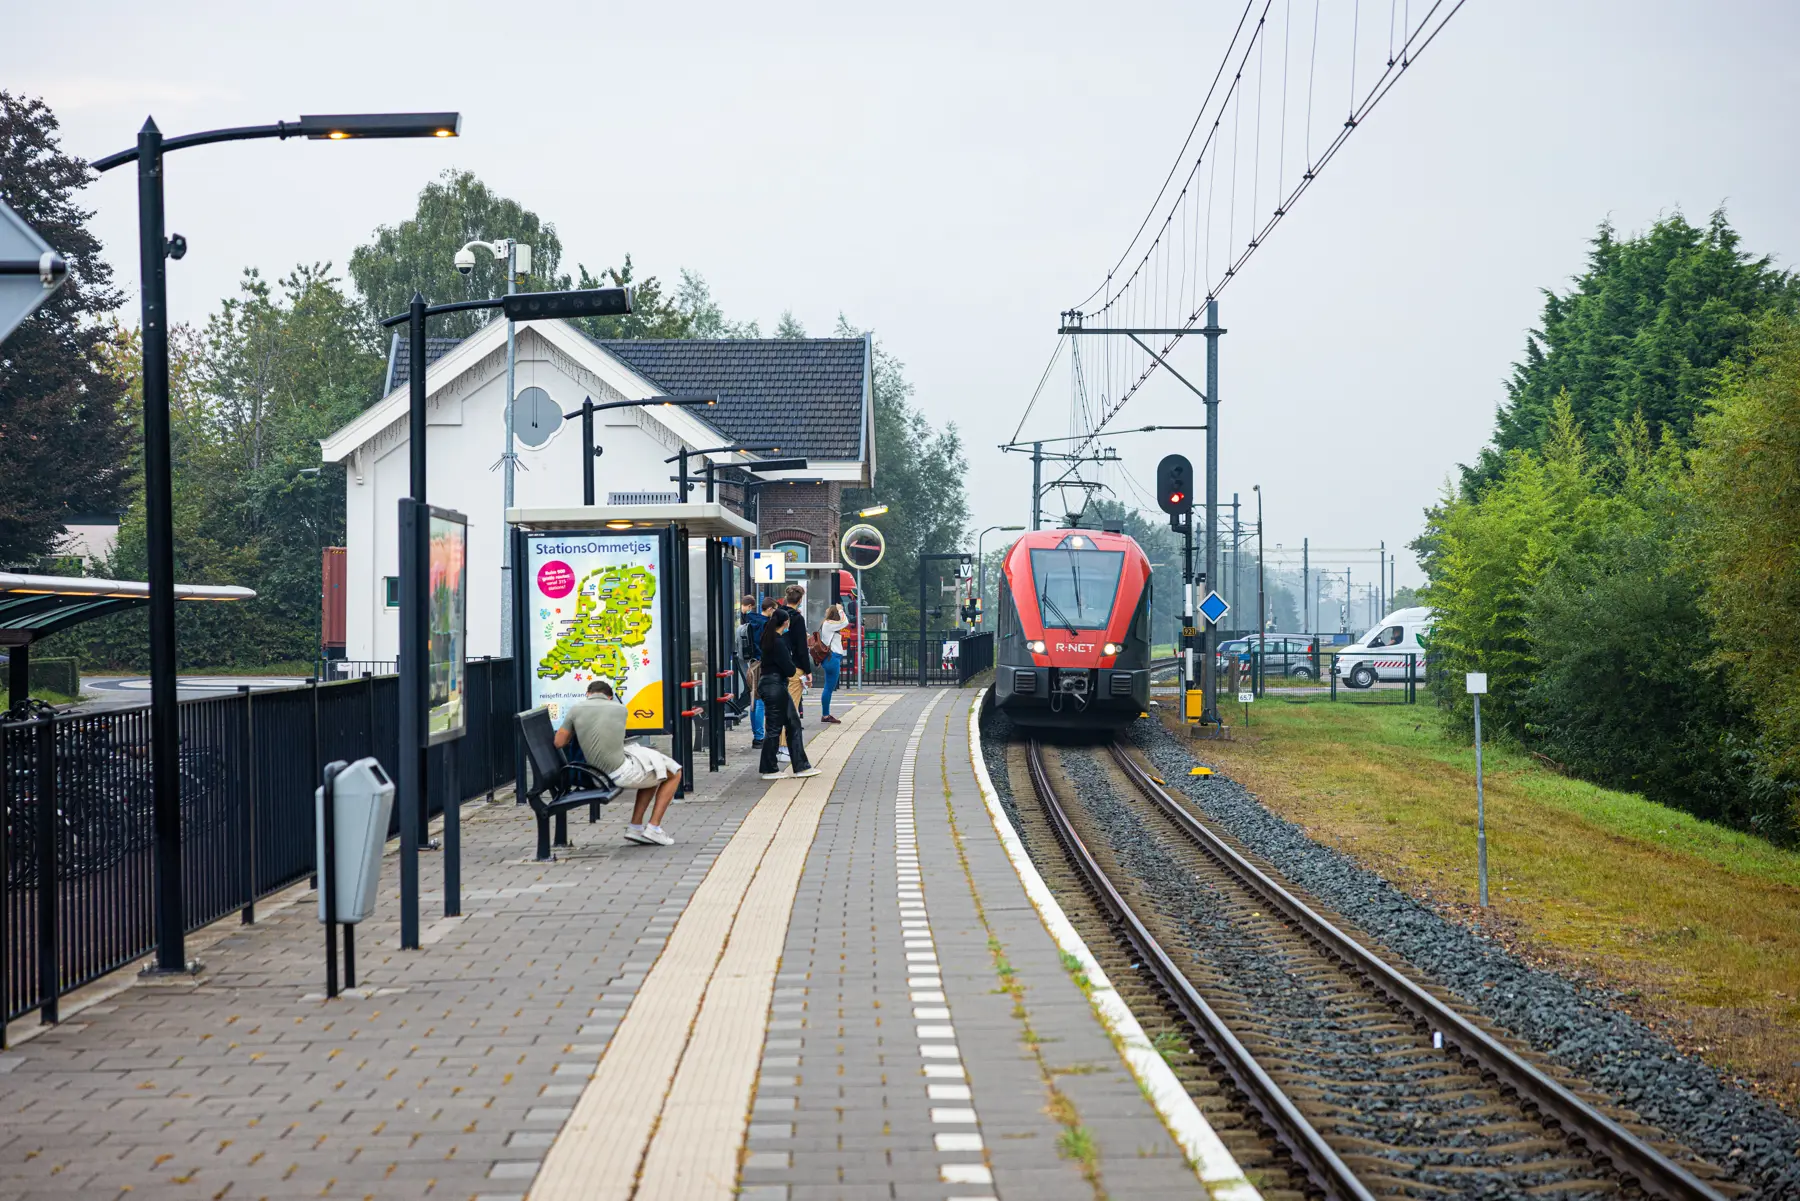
(837,987)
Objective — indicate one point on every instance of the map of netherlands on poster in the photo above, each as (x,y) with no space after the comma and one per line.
(595,613)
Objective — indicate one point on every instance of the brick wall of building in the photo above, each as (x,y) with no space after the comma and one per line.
(802,513)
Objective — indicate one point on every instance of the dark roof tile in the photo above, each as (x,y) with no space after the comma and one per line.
(802,394)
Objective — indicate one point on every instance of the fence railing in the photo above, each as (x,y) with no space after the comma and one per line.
(1357,674)
(892,657)
(79,843)
(975,655)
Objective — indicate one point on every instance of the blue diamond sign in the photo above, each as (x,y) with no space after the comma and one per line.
(1214,607)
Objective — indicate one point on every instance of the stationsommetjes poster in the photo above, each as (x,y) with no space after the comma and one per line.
(594,613)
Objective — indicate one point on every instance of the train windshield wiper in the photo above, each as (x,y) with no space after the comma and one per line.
(1044,601)
(1075,574)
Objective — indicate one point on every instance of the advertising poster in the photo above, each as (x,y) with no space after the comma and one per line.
(446,600)
(594,611)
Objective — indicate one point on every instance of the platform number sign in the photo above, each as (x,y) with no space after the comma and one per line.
(862,547)
(769,566)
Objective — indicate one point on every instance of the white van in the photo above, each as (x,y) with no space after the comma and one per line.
(1387,651)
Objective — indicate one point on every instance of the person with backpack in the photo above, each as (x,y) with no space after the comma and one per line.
(828,651)
(750,651)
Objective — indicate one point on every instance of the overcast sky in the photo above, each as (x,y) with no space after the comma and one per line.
(953,175)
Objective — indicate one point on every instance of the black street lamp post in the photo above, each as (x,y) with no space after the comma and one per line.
(154,248)
(590,452)
(414,625)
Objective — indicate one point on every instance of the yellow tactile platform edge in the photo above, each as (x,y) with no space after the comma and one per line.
(663,1114)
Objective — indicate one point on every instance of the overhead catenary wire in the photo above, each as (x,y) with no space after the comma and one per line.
(1141,298)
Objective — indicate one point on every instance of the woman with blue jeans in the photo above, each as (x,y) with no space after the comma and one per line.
(831,633)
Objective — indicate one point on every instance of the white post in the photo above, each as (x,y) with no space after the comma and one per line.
(862,648)
(1476,683)
(506,563)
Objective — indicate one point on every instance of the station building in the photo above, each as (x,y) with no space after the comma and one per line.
(812,397)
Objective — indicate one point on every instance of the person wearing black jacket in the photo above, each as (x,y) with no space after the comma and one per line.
(778,668)
(796,641)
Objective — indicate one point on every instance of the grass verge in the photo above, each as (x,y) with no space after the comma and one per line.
(1698,925)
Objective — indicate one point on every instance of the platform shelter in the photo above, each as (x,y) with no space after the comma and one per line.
(608,591)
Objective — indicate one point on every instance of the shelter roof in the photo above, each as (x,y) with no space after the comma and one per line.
(34,606)
(703,519)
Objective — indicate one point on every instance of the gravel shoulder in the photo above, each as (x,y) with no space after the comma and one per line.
(1580,1026)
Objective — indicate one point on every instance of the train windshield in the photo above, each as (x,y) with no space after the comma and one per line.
(1076,587)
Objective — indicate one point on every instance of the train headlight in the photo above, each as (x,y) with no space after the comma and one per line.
(1035,647)
(1111,648)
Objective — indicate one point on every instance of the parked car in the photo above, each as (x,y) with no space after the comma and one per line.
(1286,655)
(1397,645)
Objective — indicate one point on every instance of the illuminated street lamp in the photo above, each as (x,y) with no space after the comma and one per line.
(154,247)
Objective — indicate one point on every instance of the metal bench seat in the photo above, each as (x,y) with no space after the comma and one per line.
(555,785)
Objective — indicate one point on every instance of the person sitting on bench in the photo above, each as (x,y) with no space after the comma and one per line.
(597,724)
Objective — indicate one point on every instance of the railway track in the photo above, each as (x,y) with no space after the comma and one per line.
(1360,1081)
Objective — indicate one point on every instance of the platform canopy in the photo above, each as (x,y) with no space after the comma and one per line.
(36,606)
(706,519)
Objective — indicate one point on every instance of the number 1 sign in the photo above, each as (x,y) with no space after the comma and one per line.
(768,566)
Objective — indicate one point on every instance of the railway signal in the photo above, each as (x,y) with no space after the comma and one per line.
(1175,489)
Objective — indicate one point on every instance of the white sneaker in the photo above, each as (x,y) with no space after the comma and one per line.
(636,834)
(801,775)
(773,775)
(658,835)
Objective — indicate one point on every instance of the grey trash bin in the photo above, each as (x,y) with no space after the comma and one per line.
(364,797)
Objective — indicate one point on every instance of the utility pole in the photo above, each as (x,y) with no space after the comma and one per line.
(1381,600)
(1037,484)
(1262,616)
(1208,676)
(1237,558)
(1308,617)
(508,459)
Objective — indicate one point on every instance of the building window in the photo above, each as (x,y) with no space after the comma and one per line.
(796,552)
(391,586)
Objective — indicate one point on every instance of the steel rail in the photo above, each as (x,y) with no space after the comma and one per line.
(1302,1140)
(1627,1154)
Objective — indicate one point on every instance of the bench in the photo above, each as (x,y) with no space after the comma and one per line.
(557,785)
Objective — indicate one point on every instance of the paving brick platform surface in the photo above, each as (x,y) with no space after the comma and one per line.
(448,1080)
(911,1031)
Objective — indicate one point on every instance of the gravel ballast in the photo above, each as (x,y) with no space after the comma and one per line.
(1578,1025)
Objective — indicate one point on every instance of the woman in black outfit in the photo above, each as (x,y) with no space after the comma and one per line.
(779,712)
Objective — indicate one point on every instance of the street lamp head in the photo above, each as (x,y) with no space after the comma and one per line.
(338,127)
(872,511)
(1009,529)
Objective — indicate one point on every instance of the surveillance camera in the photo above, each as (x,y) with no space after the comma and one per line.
(465,260)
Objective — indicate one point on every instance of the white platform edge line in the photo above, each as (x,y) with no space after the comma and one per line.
(1212,1162)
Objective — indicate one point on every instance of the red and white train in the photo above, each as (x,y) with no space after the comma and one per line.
(1072,644)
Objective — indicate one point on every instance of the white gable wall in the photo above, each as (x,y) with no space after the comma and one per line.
(465,433)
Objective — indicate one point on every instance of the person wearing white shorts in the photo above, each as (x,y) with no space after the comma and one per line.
(597,724)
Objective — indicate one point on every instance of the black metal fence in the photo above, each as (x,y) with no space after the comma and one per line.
(892,657)
(1311,672)
(976,655)
(79,845)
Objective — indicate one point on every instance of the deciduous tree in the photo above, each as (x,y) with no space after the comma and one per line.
(63,438)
